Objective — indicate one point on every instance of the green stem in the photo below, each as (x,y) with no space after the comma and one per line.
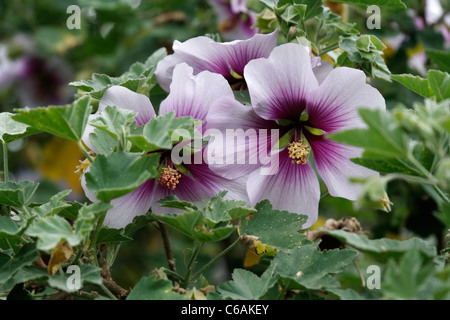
(220,255)
(441,193)
(25,210)
(167,246)
(83,149)
(97,231)
(5,162)
(78,256)
(324,195)
(426,173)
(173,274)
(328,49)
(187,277)
(109,293)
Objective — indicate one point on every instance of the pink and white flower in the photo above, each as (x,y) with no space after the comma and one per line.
(287,95)
(190,95)
(228,58)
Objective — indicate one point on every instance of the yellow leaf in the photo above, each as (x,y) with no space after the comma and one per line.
(195,294)
(262,248)
(251,259)
(59,255)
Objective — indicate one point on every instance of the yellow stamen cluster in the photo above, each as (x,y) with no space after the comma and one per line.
(299,152)
(169,178)
(81,168)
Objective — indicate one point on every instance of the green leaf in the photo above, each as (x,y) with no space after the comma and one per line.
(67,122)
(382,249)
(112,119)
(7,227)
(151,288)
(387,3)
(219,210)
(174,202)
(112,235)
(440,84)
(138,223)
(117,174)
(443,214)
(11,130)
(54,206)
(382,139)
(345,294)
(17,194)
(440,59)
(139,78)
(70,212)
(411,278)
(415,83)
(273,227)
(52,230)
(160,131)
(88,274)
(102,141)
(437,84)
(248,286)
(299,9)
(243,96)
(88,216)
(9,266)
(204,220)
(368,43)
(269,3)
(311,268)
(388,165)
(366,52)
(194,225)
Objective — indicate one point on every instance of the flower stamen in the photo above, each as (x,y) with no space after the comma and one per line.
(81,168)
(169,178)
(299,152)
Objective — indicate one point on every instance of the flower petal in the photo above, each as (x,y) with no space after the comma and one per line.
(238,143)
(124,98)
(203,53)
(240,52)
(335,168)
(279,87)
(87,131)
(294,188)
(131,205)
(321,68)
(89,194)
(201,184)
(193,95)
(164,70)
(234,19)
(334,104)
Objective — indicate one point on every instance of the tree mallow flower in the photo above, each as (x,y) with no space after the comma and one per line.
(235,20)
(189,96)
(286,95)
(227,58)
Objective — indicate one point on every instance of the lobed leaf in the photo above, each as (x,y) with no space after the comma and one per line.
(17,194)
(67,122)
(11,130)
(384,248)
(114,175)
